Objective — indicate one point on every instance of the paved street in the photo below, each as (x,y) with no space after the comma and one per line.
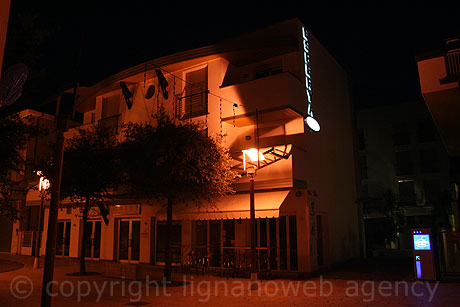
(373,283)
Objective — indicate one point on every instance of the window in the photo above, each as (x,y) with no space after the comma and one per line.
(432,190)
(364,190)
(406,192)
(363,167)
(200,233)
(229,232)
(110,112)
(429,162)
(426,131)
(273,246)
(400,134)
(283,243)
(293,242)
(175,240)
(194,102)
(403,163)
(361,140)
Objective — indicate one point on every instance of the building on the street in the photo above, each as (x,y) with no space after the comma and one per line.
(400,151)
(439,74)
(255,90)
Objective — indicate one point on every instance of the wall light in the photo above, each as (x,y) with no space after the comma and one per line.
(252,154)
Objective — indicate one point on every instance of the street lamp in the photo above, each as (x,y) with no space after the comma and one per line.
(254,155)
(43,186)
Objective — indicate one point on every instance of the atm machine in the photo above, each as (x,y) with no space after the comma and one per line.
(424,261)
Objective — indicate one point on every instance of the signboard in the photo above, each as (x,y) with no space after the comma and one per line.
(309,120)
(422,242)
(424,261)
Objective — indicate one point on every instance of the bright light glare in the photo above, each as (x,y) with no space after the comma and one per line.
(312,123)
(252,154)
(44,184)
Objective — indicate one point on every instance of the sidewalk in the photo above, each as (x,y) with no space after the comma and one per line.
(368,284)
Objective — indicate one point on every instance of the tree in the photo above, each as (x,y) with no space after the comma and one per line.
(14,134)
(89,172)
(175,163)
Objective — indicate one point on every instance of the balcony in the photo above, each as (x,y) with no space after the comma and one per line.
(279,97)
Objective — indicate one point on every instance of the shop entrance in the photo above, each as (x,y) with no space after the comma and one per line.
(129,240)
(93,240)
(63,238)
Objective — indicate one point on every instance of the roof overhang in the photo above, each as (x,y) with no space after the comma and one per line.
(235,206)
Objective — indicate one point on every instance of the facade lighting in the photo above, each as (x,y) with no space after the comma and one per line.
(252,154)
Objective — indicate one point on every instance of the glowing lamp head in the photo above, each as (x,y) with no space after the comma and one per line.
(312,123)
(44,184)
(252,154)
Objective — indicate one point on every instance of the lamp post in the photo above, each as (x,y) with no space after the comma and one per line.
(43,186)
(254,155)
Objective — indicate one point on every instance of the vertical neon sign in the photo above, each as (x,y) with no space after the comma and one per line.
(309,120)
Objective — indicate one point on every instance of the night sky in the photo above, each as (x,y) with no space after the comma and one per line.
(376,45)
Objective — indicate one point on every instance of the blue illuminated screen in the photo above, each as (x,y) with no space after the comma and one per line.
(422,242)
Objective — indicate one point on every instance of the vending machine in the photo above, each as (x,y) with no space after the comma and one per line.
(424,261)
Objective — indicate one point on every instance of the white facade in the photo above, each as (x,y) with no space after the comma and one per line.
(305,201)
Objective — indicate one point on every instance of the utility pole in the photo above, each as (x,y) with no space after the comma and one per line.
(51,237)
(254,282)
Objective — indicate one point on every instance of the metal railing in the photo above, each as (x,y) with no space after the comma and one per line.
(111,122)
(452,59)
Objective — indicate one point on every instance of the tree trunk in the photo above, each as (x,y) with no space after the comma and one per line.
(168,255)
(84,238)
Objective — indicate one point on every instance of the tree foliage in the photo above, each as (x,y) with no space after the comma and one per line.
(14,134)
(90,164)
(175,161)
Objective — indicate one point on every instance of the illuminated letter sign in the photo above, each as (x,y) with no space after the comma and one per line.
(310,120)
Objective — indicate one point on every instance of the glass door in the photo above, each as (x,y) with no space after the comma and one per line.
(129,240)
(63,238)
(93,239)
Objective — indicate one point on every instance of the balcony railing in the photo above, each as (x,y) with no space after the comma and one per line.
(452,61)
(112,122)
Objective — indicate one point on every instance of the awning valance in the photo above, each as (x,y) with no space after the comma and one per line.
(236,206)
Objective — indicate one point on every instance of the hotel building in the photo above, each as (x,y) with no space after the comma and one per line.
(256,91)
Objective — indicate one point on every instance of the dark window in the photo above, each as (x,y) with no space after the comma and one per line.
(406,193)
(273,256)
(400,134)
(200,233)
(404,163)
(263,232)
(293,241)
(110,116)
(426,131)
(215,242)
(175,239)
(363,167)
(361,140)
(319,240)
(364,190)
(283,243)
(194,102)
(429,162)
(229,232)
(432,190)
